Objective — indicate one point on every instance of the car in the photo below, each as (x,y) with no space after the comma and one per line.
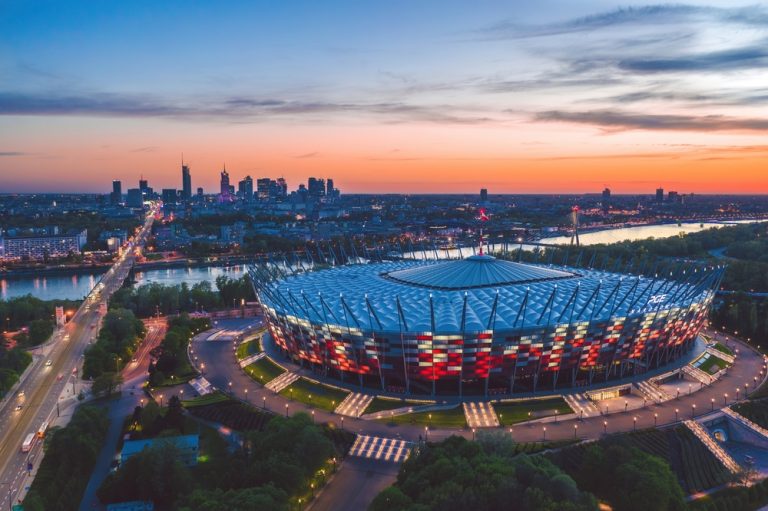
(19,407)
(66,337)
(59,377)
(48,363)
(21,393)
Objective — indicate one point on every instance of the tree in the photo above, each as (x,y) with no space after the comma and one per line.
(40,330)
(106,383)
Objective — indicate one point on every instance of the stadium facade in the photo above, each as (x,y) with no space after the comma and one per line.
(481,324)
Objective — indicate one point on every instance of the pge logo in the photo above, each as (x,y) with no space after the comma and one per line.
(657,299)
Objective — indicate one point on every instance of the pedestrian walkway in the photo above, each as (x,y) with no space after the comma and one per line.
(282,382)
(652,392)
(354,404)
(582,405)
(480,415)
(379,448)
(713,446)
(251,359)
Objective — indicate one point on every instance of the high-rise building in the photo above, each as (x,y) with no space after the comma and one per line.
(483,195)
(245,188)
(134,198)
(606,199)
(200,192)
(316,187)
(170,196)
(329,190)
(659,194)
(146,190)
(264,188)
(116,197)
(673,196)
(224,190)
(282,187)
(186,182)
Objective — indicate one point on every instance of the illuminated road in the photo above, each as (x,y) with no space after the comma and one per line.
(49,385)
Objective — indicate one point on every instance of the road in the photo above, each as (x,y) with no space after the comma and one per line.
(47,386)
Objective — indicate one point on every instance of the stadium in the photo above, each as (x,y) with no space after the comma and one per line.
(479,324)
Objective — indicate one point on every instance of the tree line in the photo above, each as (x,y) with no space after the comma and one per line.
(170,359)
(149,299)
(117,340)
(34,314)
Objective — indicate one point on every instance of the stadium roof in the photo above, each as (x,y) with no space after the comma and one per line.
(429,295)
(474,272)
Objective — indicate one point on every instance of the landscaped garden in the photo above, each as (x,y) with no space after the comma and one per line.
(382,404)
(449,418)
(315,395)
(513,412)
(264,370)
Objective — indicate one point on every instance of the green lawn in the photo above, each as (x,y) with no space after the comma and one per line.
(264,370)
(713,364)
(314,395)
(208,399)
(451,418)
(383,404)
(723,348)
(517,411)
(247,349)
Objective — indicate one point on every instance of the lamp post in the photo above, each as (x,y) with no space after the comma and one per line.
(713,404)
(725,398)
(426,434)
(693,410)
(626,403)
(286,409)
(634,423)
(342,423)
(246,395)
(575,429)
(313,416)
(264,402)
(676,413)
(655,419)
(605,427)
(161,400)
(473,433)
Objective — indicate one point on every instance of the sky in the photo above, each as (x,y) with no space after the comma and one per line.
(430,96)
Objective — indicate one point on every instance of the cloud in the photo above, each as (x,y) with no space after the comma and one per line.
(623,121)
(147,149)
(650,15)
(739,58)
(12,153)
(307,155)
(238,109)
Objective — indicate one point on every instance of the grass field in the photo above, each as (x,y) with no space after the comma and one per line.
(264,370)
(514,412)
(713,364)
(451,418)
(723,348)
(247,349)
(383,404)
(314,395)
(208,399)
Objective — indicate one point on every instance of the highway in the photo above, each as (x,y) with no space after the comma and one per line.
(52,380)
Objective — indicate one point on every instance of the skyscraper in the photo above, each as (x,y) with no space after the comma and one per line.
(117,192)
(659,194)
(245,188)
(483,195)
(263,188)
(186,182)
(606,199)
(329,190)
(170,196)
(282,187)
(316,187)
(224,195)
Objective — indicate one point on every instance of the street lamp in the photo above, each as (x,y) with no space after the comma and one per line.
(626,403)
(544,430)
(246,395)
(605,427)
(713,404)
(264,402)
(634,423)
(342,423)
(676,412)
(473,433)
(313,416)
(286,409)
(693,410)
(655,419)
(161,400)
(426,434)
(575,429)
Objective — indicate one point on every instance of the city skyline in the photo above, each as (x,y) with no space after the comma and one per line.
(552,98)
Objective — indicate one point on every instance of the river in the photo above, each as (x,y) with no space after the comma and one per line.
(78,286)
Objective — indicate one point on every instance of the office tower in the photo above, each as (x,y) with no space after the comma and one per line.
(245,188)
(134,198)
(316,187)
(224,190)
(282,187)
(672,196)
(186,182)
(329,190)
(483,195)
(117,192)
(200,192)
(143,186)
(659,194)
(263,186)
(170,196)
(606,199)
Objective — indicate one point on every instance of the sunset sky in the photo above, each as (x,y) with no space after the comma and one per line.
(396,96)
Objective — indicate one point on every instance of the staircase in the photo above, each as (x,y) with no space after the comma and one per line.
(354,405)
(480,415)
(282,382)
(582,405)
(652,392)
